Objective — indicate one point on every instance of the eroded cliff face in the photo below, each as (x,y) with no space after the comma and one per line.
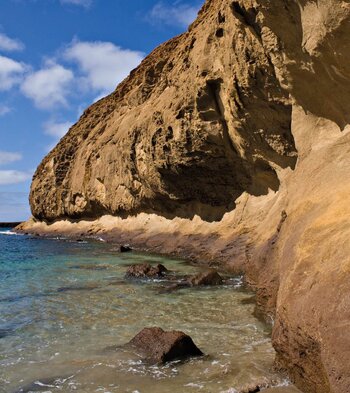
(202,120)
(231,144)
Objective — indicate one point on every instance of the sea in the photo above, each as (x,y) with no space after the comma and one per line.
(66,313)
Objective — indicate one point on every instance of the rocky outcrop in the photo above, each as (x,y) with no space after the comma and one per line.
(146,270)
(231,143)
(159,346)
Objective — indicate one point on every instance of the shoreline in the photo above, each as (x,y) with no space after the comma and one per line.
(267,239)
(118,238)
(291,245)
(195,240)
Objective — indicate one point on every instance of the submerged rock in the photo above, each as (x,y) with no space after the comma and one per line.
(210,277)
(87,287)
(5,333)
(174,287)
(91,267)
(160,346)
(41,385)
(146,270)
(207,278)
(253,388)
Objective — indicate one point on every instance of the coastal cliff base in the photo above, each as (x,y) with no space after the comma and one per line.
(292,246)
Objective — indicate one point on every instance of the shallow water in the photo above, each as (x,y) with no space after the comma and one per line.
(64,304)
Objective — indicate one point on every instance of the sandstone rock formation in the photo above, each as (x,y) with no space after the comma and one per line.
(202,120)
(246,114)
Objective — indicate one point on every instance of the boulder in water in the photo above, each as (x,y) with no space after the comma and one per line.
(146,270)
(125,248)
(160,346)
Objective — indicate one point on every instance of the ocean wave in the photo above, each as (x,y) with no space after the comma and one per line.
(10,233)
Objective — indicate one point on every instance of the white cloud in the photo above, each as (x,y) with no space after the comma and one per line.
(49,86)
(13,177)
(178,14)
(102,64)
(4,109)
(57,129)
(8,157)
(10,44)
(11,72)
(83,3)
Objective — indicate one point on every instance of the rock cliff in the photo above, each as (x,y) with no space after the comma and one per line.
(231,143)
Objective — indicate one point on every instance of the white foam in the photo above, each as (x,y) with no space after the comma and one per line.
(44,384)
(194,385)
(10,233)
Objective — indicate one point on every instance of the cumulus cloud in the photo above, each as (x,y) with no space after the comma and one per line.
(10,44)
(13,177)
(49,86)
(82,3)
(11,72)
(57,129)
(10,176)
(178,14)
(98,68)
(102,64)
(4,109)
(9,157)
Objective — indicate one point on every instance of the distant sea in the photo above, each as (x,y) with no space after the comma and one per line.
(66,310)
(9,225)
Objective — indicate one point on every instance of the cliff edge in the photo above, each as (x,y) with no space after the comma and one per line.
(231,144)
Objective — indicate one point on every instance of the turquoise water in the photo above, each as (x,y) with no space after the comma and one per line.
(64,304)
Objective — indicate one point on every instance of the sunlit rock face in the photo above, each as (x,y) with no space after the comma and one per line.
(199,122)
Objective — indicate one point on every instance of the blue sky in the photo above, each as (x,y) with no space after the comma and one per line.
(56,58)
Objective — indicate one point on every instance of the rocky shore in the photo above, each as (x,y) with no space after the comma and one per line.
(230,145)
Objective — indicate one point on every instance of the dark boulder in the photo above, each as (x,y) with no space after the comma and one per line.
(157,345)
(174,287)
(210,277)
(146,270)
(125,248)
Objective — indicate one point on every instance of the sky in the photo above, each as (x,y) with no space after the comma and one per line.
(56,58)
